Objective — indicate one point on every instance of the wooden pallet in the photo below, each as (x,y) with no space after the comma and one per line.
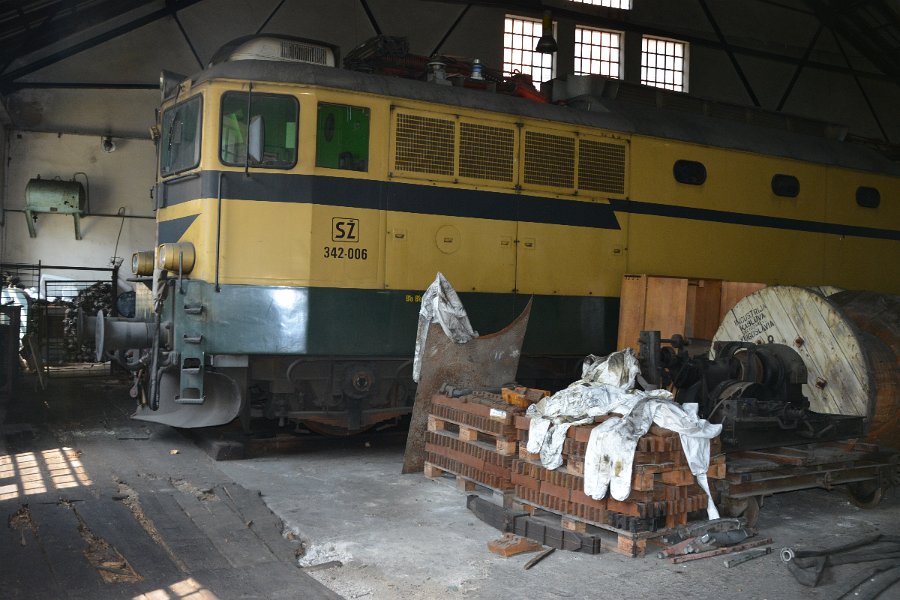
(774,470)
(469,433)
(472,438)
(499,496)
(620,541)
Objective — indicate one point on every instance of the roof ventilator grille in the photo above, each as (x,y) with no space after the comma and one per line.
(304,52)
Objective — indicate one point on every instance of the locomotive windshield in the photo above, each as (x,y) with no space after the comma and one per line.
(277,116)
(180,139)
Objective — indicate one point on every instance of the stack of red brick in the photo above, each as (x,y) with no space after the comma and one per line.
(663,490)
(482,439)
(472,437)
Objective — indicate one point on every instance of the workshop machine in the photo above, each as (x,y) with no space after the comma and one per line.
(754,390)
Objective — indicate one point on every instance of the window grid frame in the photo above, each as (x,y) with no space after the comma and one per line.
(677,67)
(615,66)
(618,4)
(519,44)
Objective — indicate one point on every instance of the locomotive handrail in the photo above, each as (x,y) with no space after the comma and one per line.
(218,226)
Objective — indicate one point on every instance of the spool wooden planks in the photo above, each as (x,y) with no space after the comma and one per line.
(849,342)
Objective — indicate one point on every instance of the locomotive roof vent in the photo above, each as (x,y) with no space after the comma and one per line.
(281,48)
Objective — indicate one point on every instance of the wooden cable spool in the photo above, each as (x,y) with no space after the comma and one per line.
(849,342)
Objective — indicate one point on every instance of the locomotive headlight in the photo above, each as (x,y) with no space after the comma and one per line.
(177,257)
(142,263)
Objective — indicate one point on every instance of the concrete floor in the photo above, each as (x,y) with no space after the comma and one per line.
(395,536)
(98,506)
(404,536)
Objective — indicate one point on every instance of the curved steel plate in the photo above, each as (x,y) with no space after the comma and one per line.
(488,361)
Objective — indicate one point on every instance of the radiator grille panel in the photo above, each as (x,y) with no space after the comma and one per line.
(601,167)
(549,160)
(424,144)
(486,152)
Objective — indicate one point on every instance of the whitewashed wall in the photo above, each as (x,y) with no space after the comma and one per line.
(119,179)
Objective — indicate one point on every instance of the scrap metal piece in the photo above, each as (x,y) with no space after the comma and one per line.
(747,556)
(698,529)
(682,547)
(539,558)
(728,550)
(488,361)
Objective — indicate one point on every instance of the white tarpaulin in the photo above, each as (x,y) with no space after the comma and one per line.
(607,386)
(440,304)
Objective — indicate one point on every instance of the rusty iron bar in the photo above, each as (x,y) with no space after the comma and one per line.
(720,551)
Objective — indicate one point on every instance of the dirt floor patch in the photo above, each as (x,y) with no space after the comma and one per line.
(203,494)
(21,521)
(129,498)
(109,562)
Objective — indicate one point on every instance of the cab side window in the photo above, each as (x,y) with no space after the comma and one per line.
(342,137)
(259,130)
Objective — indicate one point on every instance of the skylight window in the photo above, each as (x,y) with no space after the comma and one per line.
(597,52)
(623,4)
(520,35)
(664,63)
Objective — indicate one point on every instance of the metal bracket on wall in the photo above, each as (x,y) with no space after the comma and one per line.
(30,219)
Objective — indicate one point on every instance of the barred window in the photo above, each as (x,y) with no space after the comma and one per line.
(520,35)
(664,63)
(623,4)
(597,52)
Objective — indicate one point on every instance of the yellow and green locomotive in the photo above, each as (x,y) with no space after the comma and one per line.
(302,209)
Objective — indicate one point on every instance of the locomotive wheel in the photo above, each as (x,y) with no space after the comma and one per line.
(865,494)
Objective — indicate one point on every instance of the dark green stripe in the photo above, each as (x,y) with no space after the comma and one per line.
(719,216)
(384,322)
(432,200)
(386,195)
(355,322)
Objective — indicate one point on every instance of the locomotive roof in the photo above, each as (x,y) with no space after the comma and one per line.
(600,112)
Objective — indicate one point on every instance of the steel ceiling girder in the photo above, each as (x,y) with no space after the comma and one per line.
(872,27)
(170,8)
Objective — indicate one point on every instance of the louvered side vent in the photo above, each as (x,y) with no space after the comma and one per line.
(304,53)
(601,167)
(549,160)
(424,144)
(486,152)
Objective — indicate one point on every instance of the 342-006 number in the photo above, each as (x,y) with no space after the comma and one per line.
(346,253)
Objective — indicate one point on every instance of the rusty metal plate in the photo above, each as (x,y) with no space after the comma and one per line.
(488,361)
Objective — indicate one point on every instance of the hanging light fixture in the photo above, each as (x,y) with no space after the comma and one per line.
(547,44)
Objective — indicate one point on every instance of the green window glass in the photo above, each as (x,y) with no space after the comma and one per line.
(272,121)
(180,137)
(342,137)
